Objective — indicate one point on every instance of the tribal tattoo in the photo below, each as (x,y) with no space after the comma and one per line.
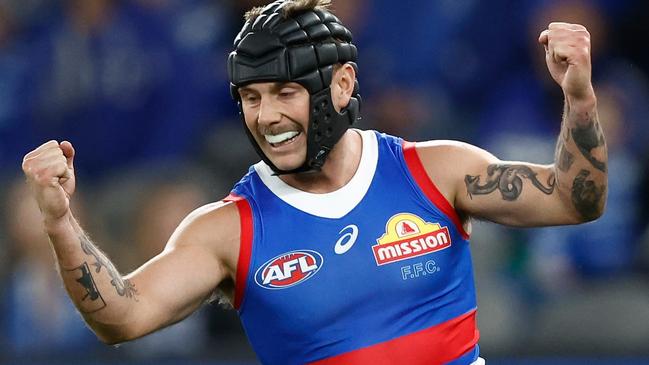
(588,138)
(586,196)
(123,287)
(96,301)
(508,179)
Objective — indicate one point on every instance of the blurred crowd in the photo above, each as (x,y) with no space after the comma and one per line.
(140,88)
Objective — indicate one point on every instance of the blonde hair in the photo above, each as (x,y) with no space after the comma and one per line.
(291,8)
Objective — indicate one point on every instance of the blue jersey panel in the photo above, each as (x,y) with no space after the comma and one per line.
(319,286)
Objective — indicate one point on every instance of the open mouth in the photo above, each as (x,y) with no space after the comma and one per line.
(281,139)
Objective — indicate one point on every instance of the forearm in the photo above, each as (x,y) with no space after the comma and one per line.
(581,159)
(95,286)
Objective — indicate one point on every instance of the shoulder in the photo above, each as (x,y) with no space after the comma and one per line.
(218,213)
(450,153)
(219,219)
(447,162)
(446,146)
(436,149)
(214,228)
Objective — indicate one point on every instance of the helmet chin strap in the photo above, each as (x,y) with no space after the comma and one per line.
(326,127)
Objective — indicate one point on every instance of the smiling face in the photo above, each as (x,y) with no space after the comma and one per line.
(277,115)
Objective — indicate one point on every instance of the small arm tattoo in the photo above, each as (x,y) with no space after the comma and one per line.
(124,288)
(586,196)
(508,179)
(95,300)
(565,158)
(588,138)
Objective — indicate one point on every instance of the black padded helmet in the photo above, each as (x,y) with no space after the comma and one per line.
(303,48)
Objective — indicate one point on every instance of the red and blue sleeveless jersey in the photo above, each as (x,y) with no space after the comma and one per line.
(377,272)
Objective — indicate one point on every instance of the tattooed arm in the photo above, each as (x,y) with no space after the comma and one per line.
(572,190)
(480,185)
(581,155)
(477,184)
(581,161)
(161,292)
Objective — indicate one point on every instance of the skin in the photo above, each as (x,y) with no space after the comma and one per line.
(271,108)
(168,288)
(570,191)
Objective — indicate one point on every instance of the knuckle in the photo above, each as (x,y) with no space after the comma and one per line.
(41,179)
(44,174)
(53,168)
(580,34)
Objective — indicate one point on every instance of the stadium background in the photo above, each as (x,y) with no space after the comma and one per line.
(140,88)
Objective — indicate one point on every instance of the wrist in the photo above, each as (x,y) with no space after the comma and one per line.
(54,226)
(583,103)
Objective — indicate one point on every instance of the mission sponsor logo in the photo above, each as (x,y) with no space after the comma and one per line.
(407,236)
(288,269)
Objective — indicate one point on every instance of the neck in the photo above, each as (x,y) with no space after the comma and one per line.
(338,170)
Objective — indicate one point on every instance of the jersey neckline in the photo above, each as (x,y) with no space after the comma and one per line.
(335,204)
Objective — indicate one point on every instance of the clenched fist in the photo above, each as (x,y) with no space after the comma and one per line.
(50,173)
(567,54)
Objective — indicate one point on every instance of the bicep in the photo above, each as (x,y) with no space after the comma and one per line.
(177,281)
(509,192)
(172,285)
(480,185)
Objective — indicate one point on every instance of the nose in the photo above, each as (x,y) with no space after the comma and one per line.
(269,112)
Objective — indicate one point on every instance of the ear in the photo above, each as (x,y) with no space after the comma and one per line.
(342,85)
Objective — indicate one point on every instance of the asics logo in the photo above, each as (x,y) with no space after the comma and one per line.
(347,240)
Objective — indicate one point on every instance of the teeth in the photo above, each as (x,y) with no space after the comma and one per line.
(279,138)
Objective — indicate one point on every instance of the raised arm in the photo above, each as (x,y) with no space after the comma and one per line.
(572,190)
(161,292)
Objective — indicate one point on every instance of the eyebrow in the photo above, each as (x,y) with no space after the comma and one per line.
(274,88)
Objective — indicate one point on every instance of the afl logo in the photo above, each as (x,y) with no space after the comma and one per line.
(288,269)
